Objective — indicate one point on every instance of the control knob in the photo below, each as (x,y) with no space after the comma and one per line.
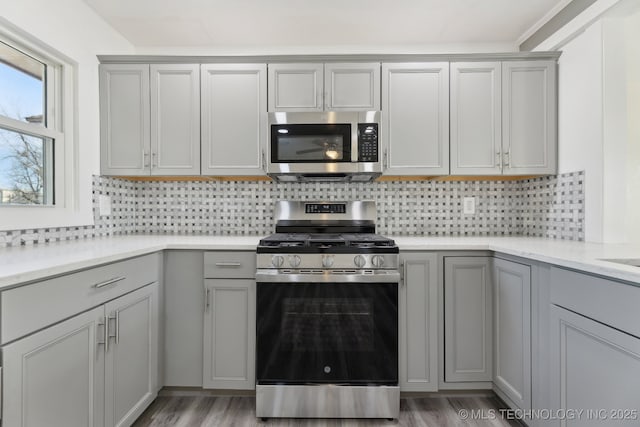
(377,261)
(359,261)
(294,261)
(327,261)
(277,261)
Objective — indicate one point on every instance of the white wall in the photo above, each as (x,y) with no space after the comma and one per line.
(73,29)
(580,120)
(632,30)
(598,110)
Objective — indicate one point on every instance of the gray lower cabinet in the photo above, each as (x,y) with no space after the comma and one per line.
(55,377)
(418,311)
(512,332)
(468,319)
(229,334)
(131,359)
(183,314)
(229,320)
(98,368)
(594,368)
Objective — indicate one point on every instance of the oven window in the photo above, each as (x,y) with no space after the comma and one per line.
(311,143)
(337,333)
(343,324)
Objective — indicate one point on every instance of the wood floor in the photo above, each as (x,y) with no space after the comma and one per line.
(209,411)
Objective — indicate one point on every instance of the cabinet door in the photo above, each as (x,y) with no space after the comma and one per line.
(124,119)
(415,127)
(175,119)
(418,311)
(55,377)
(512,331)
(476,118)
(234,125)
(595,368)
(230,334)
(529,117)
(296,87)
(131,361)
(468,320)
(352,87)
(183,313)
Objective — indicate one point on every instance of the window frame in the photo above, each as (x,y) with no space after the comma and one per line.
(60,112)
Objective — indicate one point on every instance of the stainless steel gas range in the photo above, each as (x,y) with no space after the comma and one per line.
(327,314)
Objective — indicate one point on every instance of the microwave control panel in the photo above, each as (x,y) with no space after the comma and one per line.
(367,142)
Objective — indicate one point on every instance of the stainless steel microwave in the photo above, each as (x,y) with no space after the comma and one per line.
(324,146)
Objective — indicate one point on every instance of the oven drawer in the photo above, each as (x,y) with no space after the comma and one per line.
(229,265)
(29,308)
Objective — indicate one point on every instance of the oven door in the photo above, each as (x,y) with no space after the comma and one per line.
(327,333)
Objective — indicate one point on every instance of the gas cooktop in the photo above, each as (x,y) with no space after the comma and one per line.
(327,243)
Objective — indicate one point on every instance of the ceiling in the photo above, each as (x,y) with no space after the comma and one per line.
(305,24)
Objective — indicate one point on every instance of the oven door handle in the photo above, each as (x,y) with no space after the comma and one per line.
(275,276)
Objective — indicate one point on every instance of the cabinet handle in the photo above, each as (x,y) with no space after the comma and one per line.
(154,160)
(385,159)
(507,157)
(115,335)
(108,282)
(100,324)
(206,300)
(403,273)
(264,162)
(106,335)
(498,158)
(145,158)
(117,327)
(228,264)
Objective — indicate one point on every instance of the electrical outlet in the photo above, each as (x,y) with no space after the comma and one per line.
(469,205)
(104,205)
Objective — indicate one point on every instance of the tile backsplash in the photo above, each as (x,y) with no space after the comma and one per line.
(551,206)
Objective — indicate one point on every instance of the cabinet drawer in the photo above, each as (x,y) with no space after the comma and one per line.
(607,301)
(32,307)
(229,265)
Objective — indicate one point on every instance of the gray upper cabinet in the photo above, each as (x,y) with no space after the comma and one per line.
(175,119)
(296,87)
(418,323)
(512,332)
(318,87)
(125,141)
(234,126)
(415,127)
(476,117)
(503,118)
(529,117)
(352,87)
(150,119)
(468,320)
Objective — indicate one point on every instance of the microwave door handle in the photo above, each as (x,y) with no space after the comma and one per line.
(354,142)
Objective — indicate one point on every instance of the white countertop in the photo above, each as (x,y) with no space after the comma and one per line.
(29,263)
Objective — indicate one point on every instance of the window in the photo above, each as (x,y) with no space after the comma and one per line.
(30,127)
